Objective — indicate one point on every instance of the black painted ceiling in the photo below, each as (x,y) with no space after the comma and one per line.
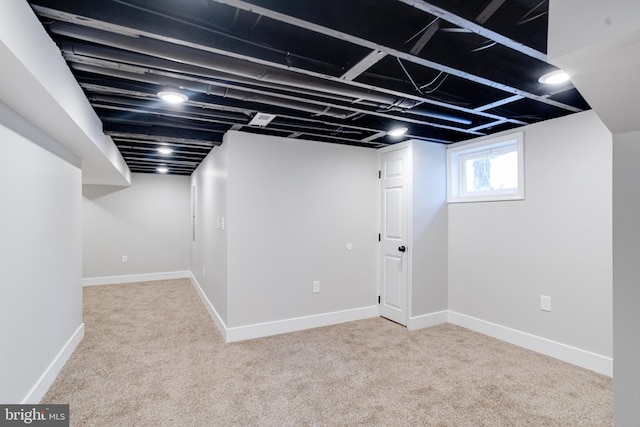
(337,71)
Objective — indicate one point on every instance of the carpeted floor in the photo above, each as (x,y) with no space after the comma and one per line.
(151,356)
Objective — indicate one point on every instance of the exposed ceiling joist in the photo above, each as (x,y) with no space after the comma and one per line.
(157,45)
(291,20)
(500,102)
(340,72)
(367,62)
(374,136)
(321,107)
(429,32)
(475,28)
(488,11)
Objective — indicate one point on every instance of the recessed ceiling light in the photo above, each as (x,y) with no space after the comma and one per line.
(165,150)
(172,97)
(397,131)
(162,169)
(554,78)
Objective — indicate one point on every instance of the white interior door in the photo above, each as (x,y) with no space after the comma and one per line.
(393,235)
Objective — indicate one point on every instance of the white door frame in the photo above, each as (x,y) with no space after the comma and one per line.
(409,254)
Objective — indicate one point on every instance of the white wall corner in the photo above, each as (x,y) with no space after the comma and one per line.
(575,356)
(133,278)
(428,320)
(45,381)
(217,320)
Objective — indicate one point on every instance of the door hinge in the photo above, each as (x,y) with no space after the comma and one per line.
(378,299)
(379,174)
(379,237)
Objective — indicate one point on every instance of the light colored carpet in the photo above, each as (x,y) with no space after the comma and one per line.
(151,356)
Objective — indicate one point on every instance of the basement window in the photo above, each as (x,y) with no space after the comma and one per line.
(489,170)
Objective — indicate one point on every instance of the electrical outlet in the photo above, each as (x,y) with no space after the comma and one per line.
(545,303)
(125,258)
(316,286)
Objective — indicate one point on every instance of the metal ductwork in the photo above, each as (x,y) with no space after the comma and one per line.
(84,50)
(210,89)
(211,86)
(332,74)
(222,63)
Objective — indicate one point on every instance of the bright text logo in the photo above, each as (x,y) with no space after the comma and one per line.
(36,415)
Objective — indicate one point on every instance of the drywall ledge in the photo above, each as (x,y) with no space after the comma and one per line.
(38,85)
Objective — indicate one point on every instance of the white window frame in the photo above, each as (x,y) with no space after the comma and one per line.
(456,154)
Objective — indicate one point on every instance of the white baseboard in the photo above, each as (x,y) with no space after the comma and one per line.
(258,330)
(217,320)
(132,278)
(567,353)
(38,391)
(428,320)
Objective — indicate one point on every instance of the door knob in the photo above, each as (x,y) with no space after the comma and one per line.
(402,249)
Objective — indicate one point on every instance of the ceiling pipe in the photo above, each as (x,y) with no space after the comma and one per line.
(281,128)
(213,61)
(155,121)
(141,95)
(97,21)
(209,87)
(82,53)
(222,92)
(139,138)
(141,106)
(250,70)
(292,20)
(82,49)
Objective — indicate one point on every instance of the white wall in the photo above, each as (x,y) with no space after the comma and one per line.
(598,44)
(293,207)
(289,209)
(209,250)
(557,242)
(429,227)
(626,270)
(148,222)
(578,24)
(40,249)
